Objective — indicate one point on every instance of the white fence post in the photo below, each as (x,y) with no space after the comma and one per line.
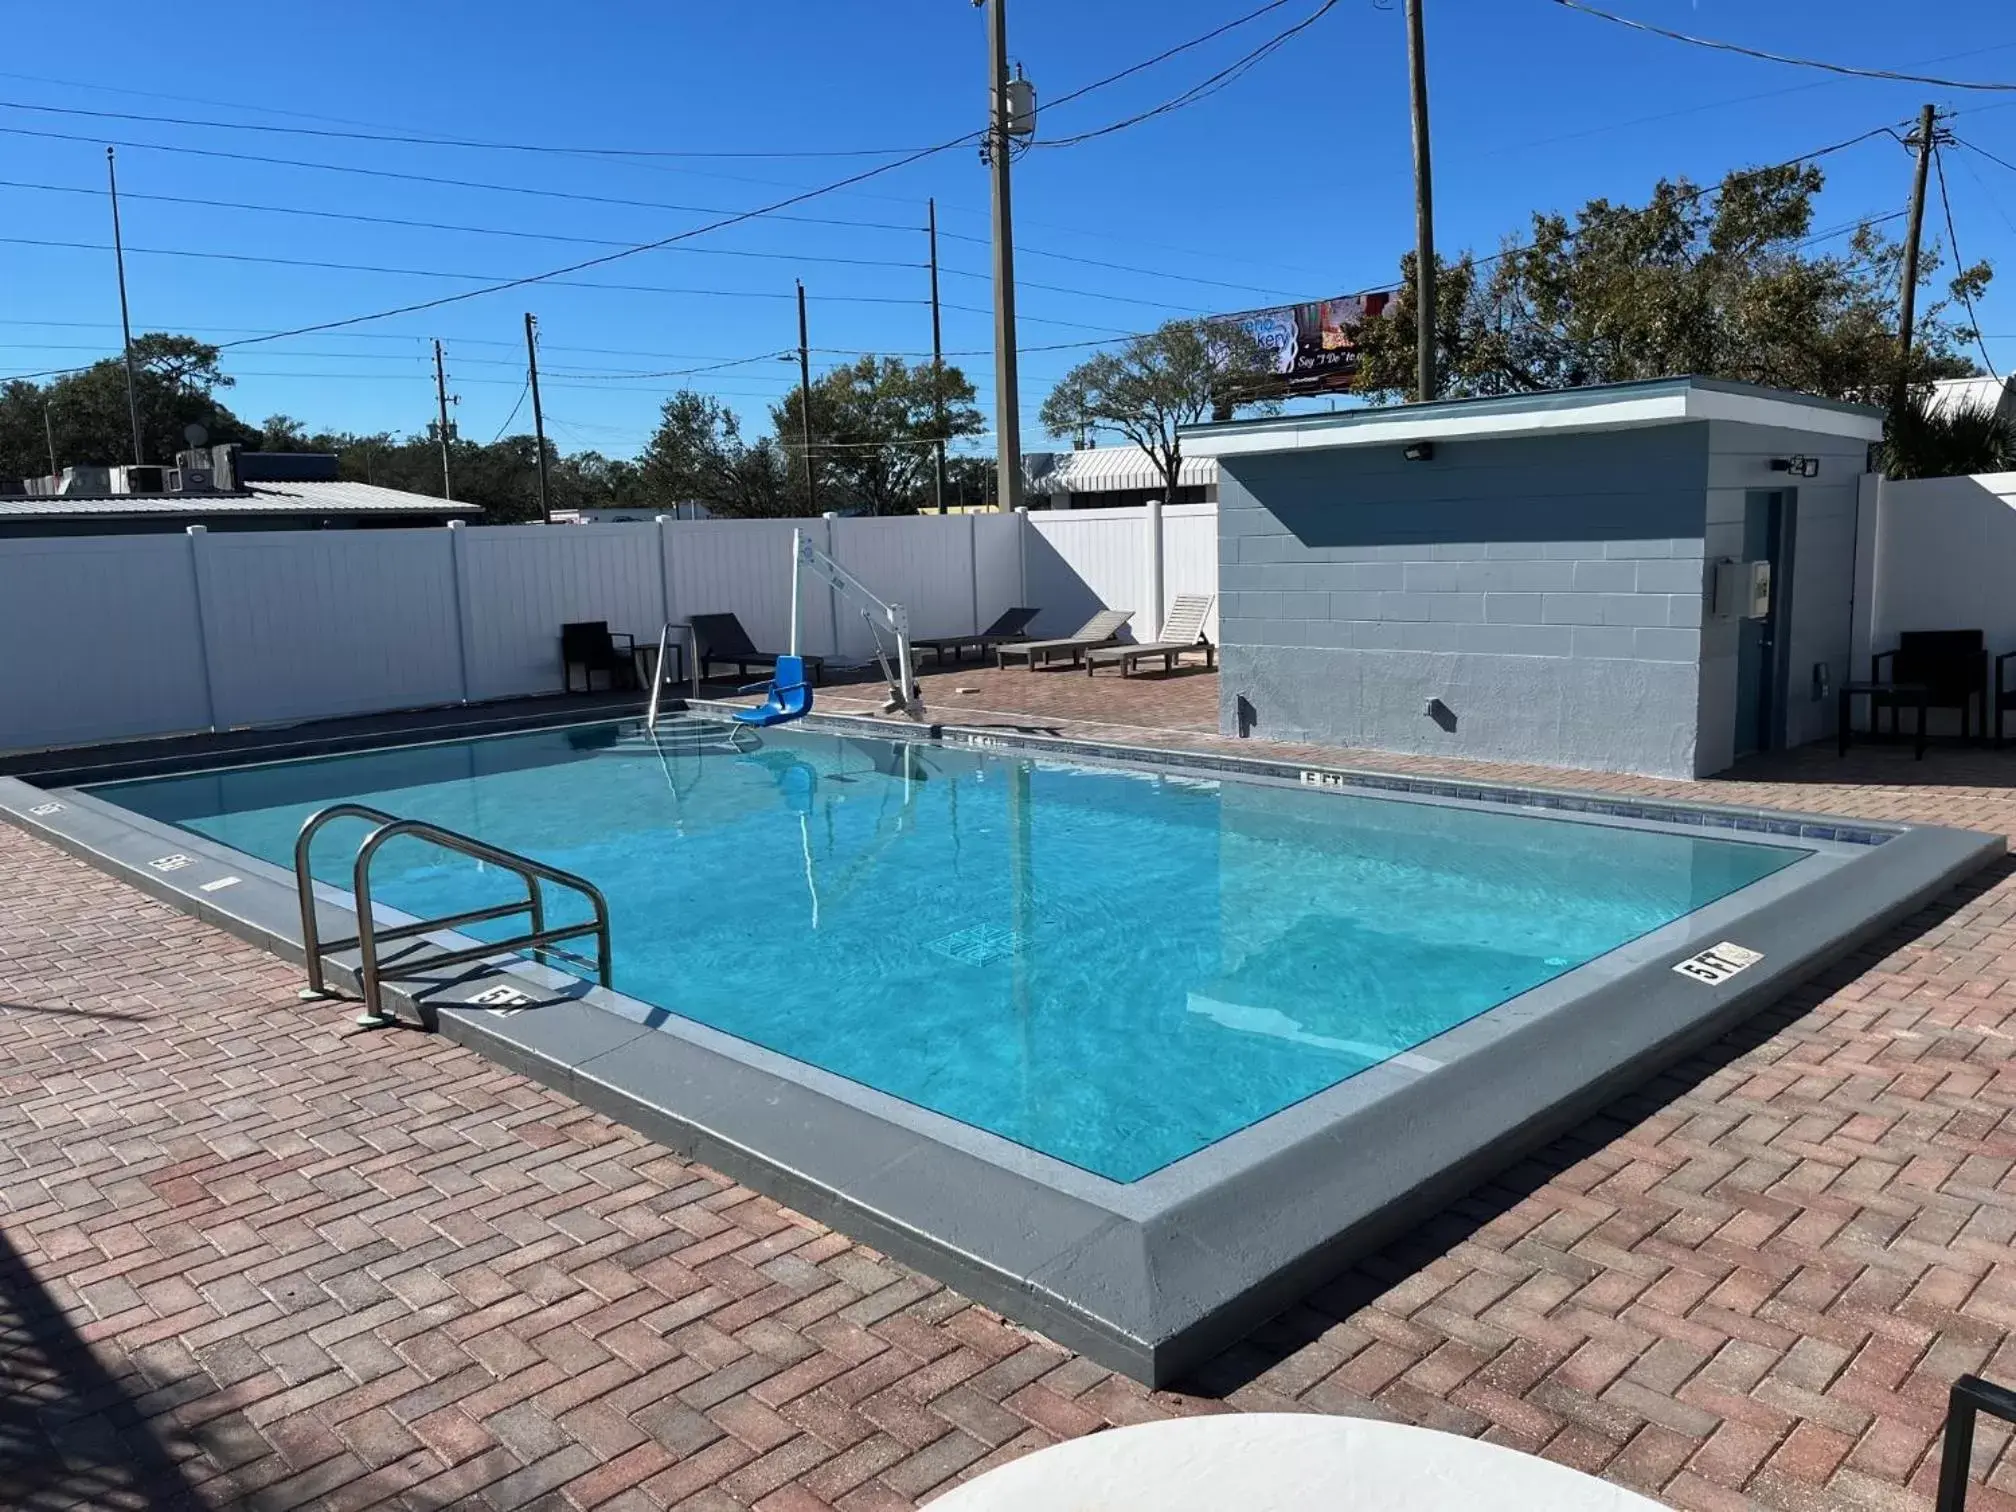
(1868,532)
(1022,550)
(973,565)
(460,589)
(198,564)
(832,593)
(1152,542)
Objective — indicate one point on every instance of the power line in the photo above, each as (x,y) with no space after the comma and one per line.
(1971,147)
(440,181)
(339,267)
(1165,56)
(796,198)
(1207,87)
(414,140)
(790,257)
(1771,57)
(1959,263)
(1705,190)
(522,392)
(592,241)
(395,137)
(462,229)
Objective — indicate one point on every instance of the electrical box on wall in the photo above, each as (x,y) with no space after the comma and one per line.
(1742,589)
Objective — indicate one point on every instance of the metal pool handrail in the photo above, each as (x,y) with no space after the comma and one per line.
(658,668)
(369,935)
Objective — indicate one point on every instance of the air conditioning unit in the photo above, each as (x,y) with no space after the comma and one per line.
(195,480)
(87,481)
(140,478)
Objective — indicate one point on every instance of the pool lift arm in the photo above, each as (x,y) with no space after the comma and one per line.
(904,696)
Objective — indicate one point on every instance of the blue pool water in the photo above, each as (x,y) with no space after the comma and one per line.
(1113,968)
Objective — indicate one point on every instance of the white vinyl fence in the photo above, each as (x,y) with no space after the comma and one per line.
(113,637)
(1085,560)
(1935,554)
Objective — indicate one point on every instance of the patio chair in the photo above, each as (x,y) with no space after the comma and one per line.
(1011,627)
(1182,631)
(1952,665)
(1100,630)
(720,640)
(591,646)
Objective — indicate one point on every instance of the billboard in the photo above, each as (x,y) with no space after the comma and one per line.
(1311,343)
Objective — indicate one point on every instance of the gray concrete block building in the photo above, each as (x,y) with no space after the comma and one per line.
(1565,578)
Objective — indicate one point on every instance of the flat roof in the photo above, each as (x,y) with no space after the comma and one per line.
(290,498)
(1598,407)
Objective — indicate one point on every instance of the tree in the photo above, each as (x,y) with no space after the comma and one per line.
(1924,440)
(1188,371)
(875,422)
(175,380)
(697,453)
(283,433)
(1715,284)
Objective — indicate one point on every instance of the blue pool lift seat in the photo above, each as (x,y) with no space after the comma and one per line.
(790,696)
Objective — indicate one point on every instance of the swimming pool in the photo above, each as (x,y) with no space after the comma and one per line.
(1112,968)
(1133,1045)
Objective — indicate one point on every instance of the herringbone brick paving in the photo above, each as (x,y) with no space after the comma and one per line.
(255,1259)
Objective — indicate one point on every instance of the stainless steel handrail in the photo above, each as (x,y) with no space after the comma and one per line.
(658,668)
(370,971)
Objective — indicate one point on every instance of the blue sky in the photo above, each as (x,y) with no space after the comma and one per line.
(1294,181)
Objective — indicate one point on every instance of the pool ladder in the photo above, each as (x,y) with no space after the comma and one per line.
(373,971)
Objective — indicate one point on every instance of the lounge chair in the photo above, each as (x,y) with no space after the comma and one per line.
(1005,631)
(1182,631)
(589,645)
(1100,630)
(720,640)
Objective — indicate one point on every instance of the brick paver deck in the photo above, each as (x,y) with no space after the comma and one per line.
(253,1258)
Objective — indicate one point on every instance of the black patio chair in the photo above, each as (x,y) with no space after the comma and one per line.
(720,640)
(1952,665)
(591,646)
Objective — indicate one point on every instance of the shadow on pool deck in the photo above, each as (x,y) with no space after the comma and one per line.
(1279,1340)
(70,1433)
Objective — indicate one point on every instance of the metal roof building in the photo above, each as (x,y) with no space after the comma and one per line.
(307,505)
(1106,477)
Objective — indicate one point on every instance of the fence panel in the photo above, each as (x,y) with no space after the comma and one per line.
(102,640)
(743,567)
(311,624)
(923,562)
(1083,560)
(315,624)
(1190,555)
(521,583)
(998,541)
(1945,559)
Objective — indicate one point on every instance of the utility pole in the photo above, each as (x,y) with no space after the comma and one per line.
(538,415)
(805,405)
(937,363)
(1424,212)
(1007,388)
(125,319)
(1907,297)
(49,435)
(441,399)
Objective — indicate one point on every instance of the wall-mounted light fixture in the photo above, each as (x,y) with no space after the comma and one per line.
(1419,451)
(1799,467)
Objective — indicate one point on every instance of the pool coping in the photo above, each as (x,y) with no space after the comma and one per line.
(1155,1276)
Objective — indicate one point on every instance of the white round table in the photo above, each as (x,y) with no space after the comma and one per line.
(1284,1462)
